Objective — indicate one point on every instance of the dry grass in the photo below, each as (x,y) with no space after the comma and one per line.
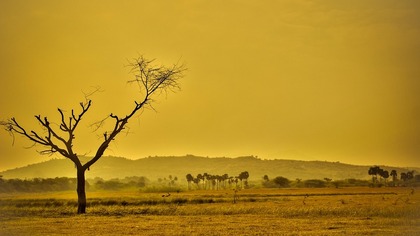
(348,211)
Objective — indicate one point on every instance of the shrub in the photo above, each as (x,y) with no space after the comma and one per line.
(314,183)
(281,182)
(278,182)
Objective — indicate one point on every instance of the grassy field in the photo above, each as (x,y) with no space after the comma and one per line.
(327,211)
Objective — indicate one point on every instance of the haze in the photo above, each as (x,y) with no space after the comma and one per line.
(306,80)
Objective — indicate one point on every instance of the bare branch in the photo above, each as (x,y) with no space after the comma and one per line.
(63,125)
(98,124)
(8,127)
(95,89)
(85,108)
(51,138)
(151,80)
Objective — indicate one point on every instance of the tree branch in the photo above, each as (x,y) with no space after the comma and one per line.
(151,81)
(49,140)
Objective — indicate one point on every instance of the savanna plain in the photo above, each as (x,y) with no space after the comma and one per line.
(303,211)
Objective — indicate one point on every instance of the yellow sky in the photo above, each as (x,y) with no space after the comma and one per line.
(308,80)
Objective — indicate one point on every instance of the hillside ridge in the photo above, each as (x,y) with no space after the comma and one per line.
(109,167)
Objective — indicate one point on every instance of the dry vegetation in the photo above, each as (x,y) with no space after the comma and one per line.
(345,211)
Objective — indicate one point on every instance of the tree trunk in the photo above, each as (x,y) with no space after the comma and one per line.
(81,192)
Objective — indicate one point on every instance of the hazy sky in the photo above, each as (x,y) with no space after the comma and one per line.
(310,80)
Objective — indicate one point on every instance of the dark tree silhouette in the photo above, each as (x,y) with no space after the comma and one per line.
(384,174)
(407,176)
(403,176)
(374,171)
(190,179)
(327,180)
(197,182)
(394,175)
(151,80)
(225,177)
(206,179)
(199,178)
(281,182)
(216,182)
(244,176)
(410,175)
(265,178)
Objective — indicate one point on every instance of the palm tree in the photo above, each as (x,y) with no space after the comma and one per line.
(403,176)
(206,178)
(244,176)
(213,182)
(410,175)
(219,181)
(394,176)
(200,177)
(197,182)
(190,179)
(374,171)
(380,173)
(265,178)
(385,175)
(235,180)
(230,181)
(209,179)
(225,177)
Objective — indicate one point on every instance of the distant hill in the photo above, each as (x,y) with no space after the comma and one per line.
(159,167)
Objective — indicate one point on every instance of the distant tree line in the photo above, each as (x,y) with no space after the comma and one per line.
(215,182)
(38,185)
(133,182)
(376,171)
(380,177)
(69,184)
(171,181)
(283,182)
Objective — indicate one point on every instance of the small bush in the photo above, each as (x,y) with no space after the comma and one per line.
(281,182)
(278,182)
(314,183)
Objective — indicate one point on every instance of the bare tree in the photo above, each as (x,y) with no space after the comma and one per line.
(151,80)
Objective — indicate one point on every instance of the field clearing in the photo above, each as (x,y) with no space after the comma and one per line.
(324,211)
